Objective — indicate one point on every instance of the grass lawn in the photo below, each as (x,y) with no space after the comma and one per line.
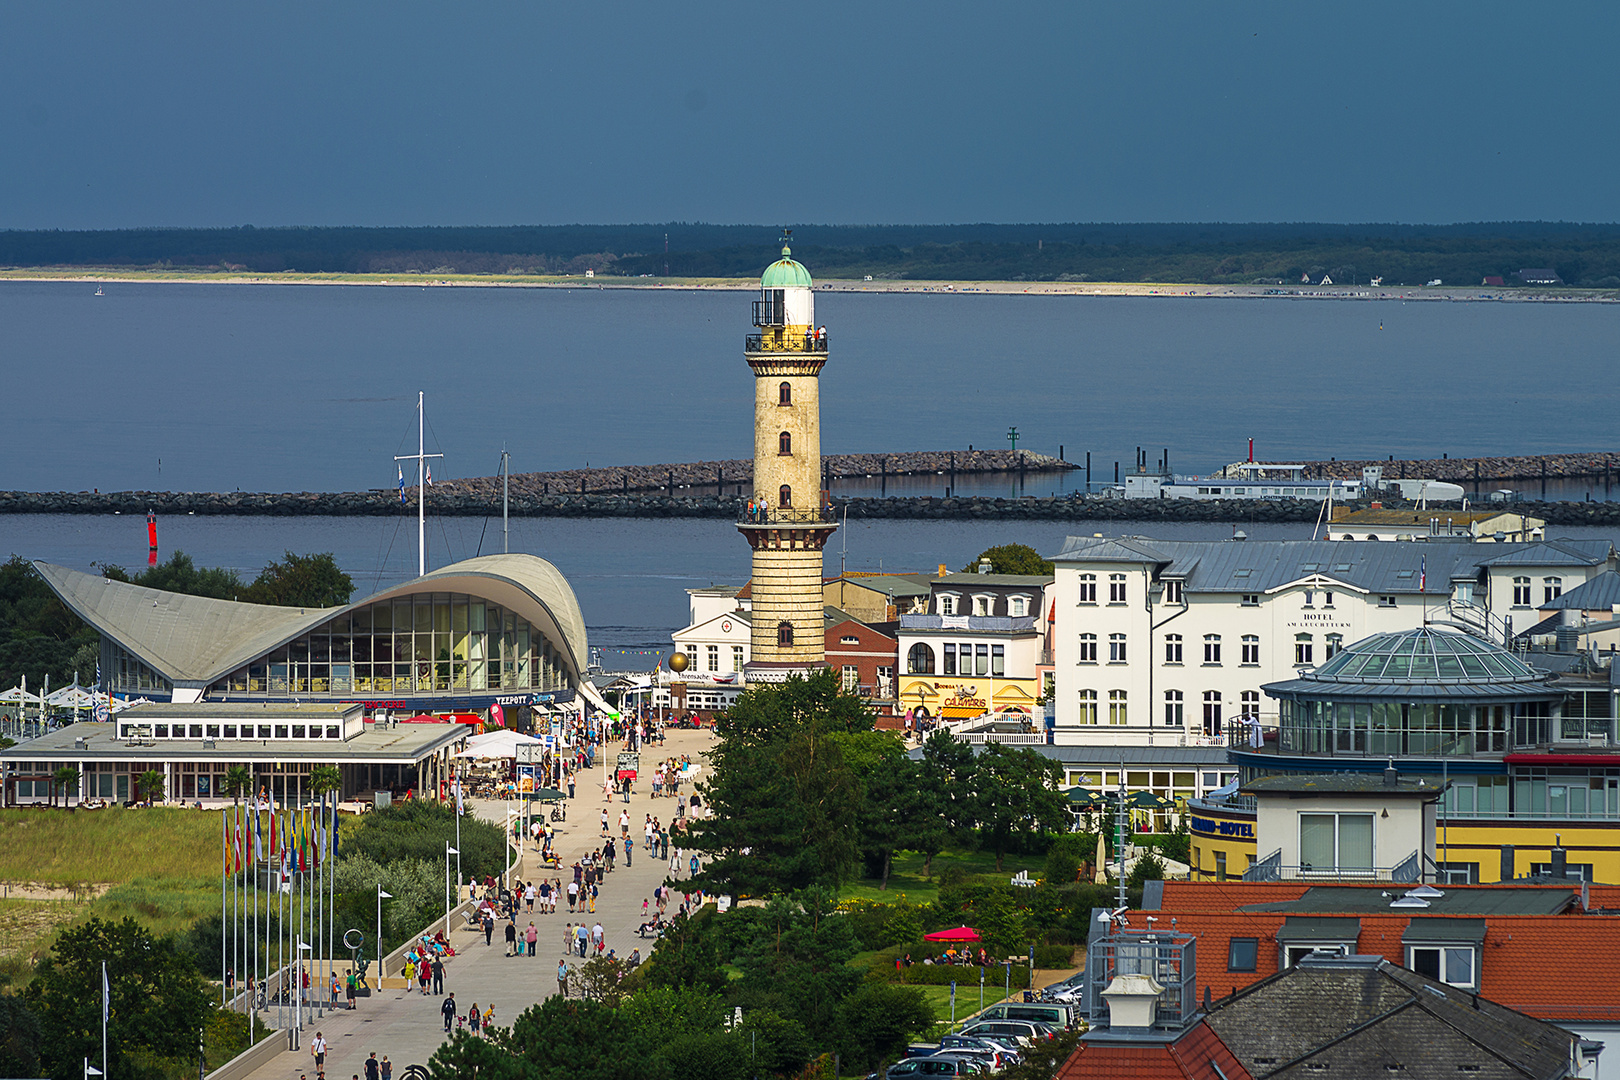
(906,875)
(162,866)
(58,847)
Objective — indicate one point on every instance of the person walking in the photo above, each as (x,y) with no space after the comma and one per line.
(511,938)
(424,975)
(568,938)
(317,1047)
(573,896)
(438,975)
(530,936)
(598,937)
(629,843)
(604,821)
(350,985)
(386,1067)
(592,900)
(373,1067)
(582,939)
(489,929)
(474,1019)
(562,977)
(449,1011)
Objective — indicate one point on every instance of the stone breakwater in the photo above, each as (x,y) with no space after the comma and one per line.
(386,503)
(1596,465)
(669,479)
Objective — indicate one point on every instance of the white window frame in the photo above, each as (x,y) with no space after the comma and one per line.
(1088,588)
(1212,650)
(947,602)
(1249,650)
(1175,709)
(1018,606)
(1551,588)
(1445,959)
(984,604)
(1116,589)
(1088,649)
(1174,592)
(1088,708)
(1116,649)
(1172,649)
(1116,708)
(1521,592)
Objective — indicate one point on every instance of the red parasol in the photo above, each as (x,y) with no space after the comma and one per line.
(961,933)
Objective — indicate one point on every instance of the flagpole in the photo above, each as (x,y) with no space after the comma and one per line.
(421,491)
(106,1005)
(224,878)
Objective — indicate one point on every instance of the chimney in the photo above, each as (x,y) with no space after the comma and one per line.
(1133,1002)
(1560,859)
(984,566)
(941,569)
(1510,868)
(1392,778)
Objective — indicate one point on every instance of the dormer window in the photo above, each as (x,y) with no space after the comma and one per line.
(1172,592)
(947,604)
(984,605)
(1017,606)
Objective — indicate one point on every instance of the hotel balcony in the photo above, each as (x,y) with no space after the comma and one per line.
(1002,623)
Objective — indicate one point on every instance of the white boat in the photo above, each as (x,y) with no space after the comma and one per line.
(99,292)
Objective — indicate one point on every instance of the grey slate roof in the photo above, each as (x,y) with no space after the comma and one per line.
(1179,757)
(1363,1016)
(1599,594)
(1319,928)
(1457,901)
(1380,567)
(196,640)
(1033,581)
(395,745)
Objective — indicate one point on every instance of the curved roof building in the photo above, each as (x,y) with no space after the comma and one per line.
(497,628)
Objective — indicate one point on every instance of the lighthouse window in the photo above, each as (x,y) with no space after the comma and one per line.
(784,497)
(784,443)
(784,630)
(784,394)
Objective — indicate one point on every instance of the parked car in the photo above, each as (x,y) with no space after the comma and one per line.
(1023,1032)
(991,1060)
(1006,1046)
(917,1068)
(1057,1017)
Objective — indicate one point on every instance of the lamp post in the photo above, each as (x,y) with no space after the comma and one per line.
(381,896)
(448,851)
(298,991)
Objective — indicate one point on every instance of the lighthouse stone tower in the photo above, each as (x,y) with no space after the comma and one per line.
(790,521)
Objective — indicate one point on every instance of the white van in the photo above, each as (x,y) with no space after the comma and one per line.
(1057,1017)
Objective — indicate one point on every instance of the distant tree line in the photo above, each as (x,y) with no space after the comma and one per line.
(1584,255)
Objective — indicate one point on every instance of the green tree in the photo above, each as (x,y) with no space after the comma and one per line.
(1066,854)
(1017,797)
(796,962)
(419,829)
(322,779)
(781,791)
(179,574)
(238,779)
(1044,1057)
(149,786)
(1013,559)
(64,780)
(19,1037)
(687,955)
(891,810)
(158,1001)
(301,581)
(878,1019)
(39,636)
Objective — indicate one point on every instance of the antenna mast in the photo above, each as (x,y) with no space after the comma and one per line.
(420,457)
(506,476)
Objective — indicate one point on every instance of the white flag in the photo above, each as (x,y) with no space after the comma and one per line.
(106,995)
(430,475)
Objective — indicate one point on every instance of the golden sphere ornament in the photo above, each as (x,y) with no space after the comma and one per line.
(678,661)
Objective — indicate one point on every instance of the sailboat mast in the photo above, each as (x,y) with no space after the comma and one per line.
(506,476)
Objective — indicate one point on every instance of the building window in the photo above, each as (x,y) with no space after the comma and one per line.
(1116,648)
(1521,592)
(998,661)
(1250,654)
(1172,648)
(1088,648)
(784,394)
(1212,648)
(1250,702)
(984,605)
(1310,598)
(784,496)
(1212,713)
(1302,649)
(1573,871)
(947,604)
(1088,588)
(1172,592)
(1116,588)
(1250,600)
(1088,707)
(784,633)
(1551,588)
(1335,642)
(851,678)
(1450,964)
(714,658)
(981,659)
(1017,606)
(736,658)
(1242,953)
(1386,601)
(1335,842)
(1116,707)
(784,443)
(1173,716)
(920,660)
(1327,597)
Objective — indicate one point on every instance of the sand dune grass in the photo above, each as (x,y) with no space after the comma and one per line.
(59,847)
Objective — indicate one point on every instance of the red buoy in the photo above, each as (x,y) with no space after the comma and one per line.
(151,538)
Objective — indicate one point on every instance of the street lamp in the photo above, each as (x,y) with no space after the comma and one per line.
(298,991)
(449,851)
(381,896)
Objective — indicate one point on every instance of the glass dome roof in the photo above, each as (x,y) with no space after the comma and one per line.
(1424,655)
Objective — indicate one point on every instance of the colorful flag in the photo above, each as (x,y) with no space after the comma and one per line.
(275,849)
(334,828)
(430,475)
(1423,574)
(106,996)
(402,486)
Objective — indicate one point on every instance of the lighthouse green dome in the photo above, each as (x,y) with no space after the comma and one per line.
(784,273)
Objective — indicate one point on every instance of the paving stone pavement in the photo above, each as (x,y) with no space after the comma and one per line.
(408,1027)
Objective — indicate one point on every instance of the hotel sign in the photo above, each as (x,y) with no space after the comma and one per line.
(1237,830)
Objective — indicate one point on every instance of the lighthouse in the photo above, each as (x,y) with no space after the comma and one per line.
(788,520)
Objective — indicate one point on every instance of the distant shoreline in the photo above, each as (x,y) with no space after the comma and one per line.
(1452,293)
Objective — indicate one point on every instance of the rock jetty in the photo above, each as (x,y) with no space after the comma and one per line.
(1597,465)
(690,505)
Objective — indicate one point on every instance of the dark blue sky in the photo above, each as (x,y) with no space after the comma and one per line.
(858,112)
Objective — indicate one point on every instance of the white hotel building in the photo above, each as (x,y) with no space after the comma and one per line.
(1166,643)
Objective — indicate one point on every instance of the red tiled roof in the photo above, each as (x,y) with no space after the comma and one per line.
(1194,1056)
(1515,969)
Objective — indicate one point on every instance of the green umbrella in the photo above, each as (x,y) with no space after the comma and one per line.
(1084,798)
(1148,800)
(546,794)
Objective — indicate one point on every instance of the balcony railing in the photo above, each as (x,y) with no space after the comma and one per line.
(789,515)
(788,343)
(1410,870)
(967,622)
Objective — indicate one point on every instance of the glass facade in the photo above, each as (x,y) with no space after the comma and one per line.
(1401,728)
(431,643)
(130,676)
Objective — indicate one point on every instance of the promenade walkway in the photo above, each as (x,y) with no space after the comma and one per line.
(408,1028)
